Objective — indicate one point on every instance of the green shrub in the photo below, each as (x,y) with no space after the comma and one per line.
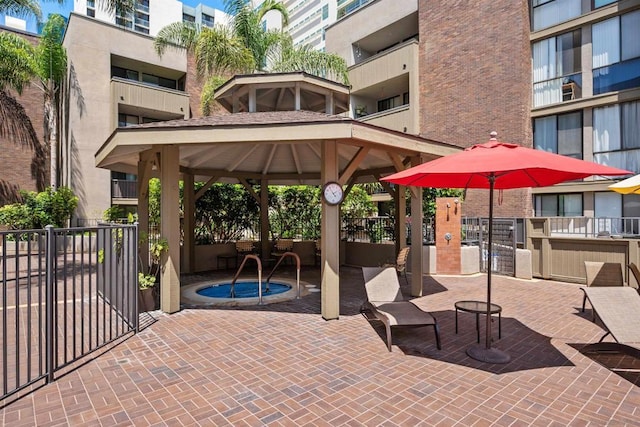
(49,207)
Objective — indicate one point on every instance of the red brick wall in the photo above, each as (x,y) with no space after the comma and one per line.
(24,160)
(448,220)
(475,77)
(194,89)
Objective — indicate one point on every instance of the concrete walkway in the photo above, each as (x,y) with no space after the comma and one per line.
(282,364)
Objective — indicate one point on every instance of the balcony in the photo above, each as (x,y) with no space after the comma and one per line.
(390,64)
(401,119)
(149,97)
(124,189)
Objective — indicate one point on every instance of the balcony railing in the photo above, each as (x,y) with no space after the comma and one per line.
(124,189)
(595,227)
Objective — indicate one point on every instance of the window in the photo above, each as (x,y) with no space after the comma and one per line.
(556,69)
(158,81)
(91,12)
(561,134)
(558,204)
(125,120)
(393,102)
(188,18)
(616,135)
(616,53)
(325,11)
(124,73)
(207,20)
(551,12)
(600,3)
(613,206)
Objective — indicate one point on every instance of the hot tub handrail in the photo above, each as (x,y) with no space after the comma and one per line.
(297,258)
(235,278)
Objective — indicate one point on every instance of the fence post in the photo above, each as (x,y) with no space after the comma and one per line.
(50,256)
(136,292)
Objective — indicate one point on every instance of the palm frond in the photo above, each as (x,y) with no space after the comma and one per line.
(207,100)
(218,52)
(179,35)
(21,8)
(304,58)
(17,66)
(51,56)
(117,7)
(15,124)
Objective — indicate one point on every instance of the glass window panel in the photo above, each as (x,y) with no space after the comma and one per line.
(544,53)
(608,204)
(600,3)
(615,159)
(606,129)
(630,124)
(549,205)
(545,134)
(630,35)
(631,205)
(571,204)
(549,92)
(568,47)
(606,42)
(623,75)
(554,12)
(570,135)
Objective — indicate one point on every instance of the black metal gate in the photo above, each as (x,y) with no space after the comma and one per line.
(502,257)
(65,293)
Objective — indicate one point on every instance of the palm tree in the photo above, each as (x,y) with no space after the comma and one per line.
(21,7)
(45,66)
(50,70)
(243,47)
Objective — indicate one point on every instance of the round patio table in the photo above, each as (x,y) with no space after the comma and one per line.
(478,308)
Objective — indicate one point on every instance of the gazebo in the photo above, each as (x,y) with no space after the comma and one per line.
(284,129)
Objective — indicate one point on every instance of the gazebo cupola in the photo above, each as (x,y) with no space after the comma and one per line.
(283,92)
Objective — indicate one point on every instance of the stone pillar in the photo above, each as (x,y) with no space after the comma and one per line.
(448,235)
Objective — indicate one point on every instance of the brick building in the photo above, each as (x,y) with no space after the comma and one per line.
(23,155)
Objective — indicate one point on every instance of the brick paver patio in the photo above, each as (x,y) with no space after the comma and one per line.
(282,364)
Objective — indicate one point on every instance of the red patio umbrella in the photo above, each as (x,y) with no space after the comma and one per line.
(503,166)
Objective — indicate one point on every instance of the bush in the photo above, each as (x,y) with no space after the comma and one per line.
(50,207)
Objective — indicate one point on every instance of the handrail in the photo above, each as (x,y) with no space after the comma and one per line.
(232,294)
(297,258)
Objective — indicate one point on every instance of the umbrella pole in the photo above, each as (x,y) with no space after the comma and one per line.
(486,353)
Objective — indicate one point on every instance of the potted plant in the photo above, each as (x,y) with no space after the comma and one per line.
(147,279)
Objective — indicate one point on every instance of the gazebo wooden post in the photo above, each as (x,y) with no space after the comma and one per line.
(416,235)
(170,228)
(189,223)
(265,246)
(330,244)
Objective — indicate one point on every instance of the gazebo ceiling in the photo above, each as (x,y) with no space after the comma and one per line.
(282,146)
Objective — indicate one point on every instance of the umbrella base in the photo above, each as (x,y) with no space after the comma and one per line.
(488,355)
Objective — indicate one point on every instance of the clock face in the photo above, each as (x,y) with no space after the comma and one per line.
(332,193)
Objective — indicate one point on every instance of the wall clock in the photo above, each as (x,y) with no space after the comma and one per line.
(332,193)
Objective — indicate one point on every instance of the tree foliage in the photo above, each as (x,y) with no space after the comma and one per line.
(295,212)
(223,212)
(245,46)
(49,207)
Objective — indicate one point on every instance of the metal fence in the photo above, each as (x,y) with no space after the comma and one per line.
(65,294)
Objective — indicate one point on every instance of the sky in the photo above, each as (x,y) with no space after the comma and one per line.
(67,7)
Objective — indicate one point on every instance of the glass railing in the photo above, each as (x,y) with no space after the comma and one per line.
(623,75)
